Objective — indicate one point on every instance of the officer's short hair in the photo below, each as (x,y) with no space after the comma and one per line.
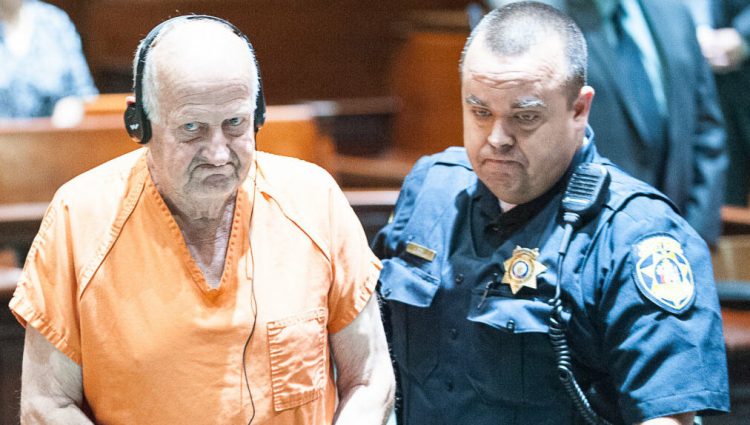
(518,27)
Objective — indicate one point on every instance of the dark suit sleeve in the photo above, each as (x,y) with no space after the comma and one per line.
(710,157)
(741,22)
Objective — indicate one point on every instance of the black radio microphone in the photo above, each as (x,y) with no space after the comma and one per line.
(584,196)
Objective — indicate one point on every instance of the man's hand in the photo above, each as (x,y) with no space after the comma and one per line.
(724,48)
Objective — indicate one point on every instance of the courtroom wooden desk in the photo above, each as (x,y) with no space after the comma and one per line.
(109,103)
(37,157)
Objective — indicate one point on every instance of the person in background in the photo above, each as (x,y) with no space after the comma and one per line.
(724,35)
(526,257)
(43,71)
(656,107)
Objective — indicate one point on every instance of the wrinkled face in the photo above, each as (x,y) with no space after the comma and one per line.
(520,131)
(204,142)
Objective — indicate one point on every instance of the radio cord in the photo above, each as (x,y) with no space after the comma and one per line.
(560,341)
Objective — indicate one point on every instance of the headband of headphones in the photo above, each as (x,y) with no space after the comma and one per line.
(137,123)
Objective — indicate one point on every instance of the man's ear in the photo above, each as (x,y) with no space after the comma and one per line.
(582,104)
(130,100)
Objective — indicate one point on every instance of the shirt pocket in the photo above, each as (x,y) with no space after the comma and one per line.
(408,292)
(297,350)
(511,355)
(406,283)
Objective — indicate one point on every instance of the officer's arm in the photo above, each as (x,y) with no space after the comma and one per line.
(364,373)
(682,419)
(51,384)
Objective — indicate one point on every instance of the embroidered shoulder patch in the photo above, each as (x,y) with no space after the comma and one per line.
(662,273)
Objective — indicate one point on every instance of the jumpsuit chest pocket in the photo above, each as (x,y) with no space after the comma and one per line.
(511,358)
(409,292)
(297,350)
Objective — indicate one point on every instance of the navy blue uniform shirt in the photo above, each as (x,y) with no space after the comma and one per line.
(466,289)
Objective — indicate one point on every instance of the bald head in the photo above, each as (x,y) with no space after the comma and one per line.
(194,50)
(515,29)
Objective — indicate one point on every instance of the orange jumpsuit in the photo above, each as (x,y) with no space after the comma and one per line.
(109,281)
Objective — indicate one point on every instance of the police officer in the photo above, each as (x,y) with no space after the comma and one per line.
(471,259)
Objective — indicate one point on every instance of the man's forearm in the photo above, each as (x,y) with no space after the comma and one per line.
(47,412)
(51,385)
(682,419)
(365,404)
(365,382)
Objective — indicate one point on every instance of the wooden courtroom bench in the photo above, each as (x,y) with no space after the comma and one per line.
(106,103)
(735,219)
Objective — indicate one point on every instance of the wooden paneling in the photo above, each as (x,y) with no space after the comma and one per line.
(291,131)
(425,76)
(310,49)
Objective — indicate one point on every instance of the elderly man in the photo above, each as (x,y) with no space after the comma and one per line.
(198,281)
(497,285)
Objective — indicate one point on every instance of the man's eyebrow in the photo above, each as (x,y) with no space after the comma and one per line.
(473,100)
(529,102)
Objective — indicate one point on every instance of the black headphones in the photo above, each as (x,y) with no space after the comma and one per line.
(137,123)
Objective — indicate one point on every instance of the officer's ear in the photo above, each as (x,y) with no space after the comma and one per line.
(582,104)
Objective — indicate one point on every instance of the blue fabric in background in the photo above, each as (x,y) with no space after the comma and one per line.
(53,67)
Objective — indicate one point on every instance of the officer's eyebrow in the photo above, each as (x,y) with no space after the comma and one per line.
(473,100)
(529,103)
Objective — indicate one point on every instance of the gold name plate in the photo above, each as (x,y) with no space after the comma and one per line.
(420,251)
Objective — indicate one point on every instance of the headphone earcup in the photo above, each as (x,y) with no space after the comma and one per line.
(138,129)
(260,100)
(133,123)
(260,111)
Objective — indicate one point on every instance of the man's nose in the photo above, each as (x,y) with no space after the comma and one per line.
(498,136)
(217,152)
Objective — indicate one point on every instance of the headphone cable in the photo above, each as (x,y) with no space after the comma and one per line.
(254,304)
